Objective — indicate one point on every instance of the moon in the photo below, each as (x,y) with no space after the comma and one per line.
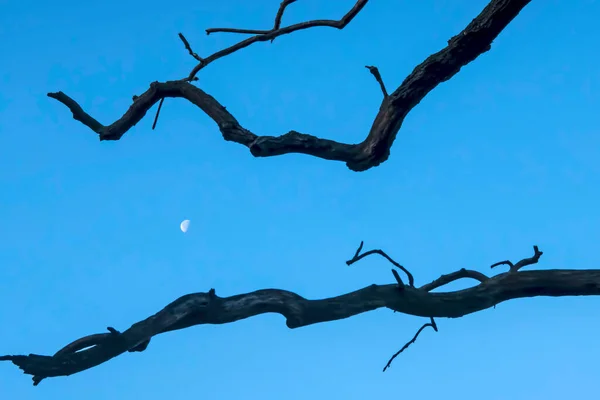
(185,224)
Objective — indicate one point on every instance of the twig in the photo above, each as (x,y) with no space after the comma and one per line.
(270,35)
(358,257)
(431,324)
(239,30)
(280,12)
(158,112)
(276,25)
(189,48)
(398,279)
(377,76)
(523,263)
(446,279)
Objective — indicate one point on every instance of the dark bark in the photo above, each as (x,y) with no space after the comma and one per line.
(208,308)
(463,48)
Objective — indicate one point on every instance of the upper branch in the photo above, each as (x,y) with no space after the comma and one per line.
(208,308)
(263,36)
(462,49)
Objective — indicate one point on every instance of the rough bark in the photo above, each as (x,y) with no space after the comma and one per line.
(208,308)
(463,48)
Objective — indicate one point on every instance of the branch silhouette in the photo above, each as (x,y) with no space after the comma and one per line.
(462,49)
(208,308)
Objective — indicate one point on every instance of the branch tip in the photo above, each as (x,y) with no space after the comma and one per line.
(413,340)
(189,48)
(522,263)
(358,257)
(375,72)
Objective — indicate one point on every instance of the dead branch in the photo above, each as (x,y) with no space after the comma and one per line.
(462,49)
(446,279)
(414,339)
(523,263)
(357,257)
(208,308)
(263,36)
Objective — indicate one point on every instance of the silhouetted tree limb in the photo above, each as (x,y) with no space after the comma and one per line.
(208,308)
(463,48)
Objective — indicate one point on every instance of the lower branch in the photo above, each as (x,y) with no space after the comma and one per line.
(208,308)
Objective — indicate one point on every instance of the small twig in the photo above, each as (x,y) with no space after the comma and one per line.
(276,25)
(506,262)
(189,48)
(398,279)
(271,34)
(523,263)
(446,279)
(431,324)
(377,76)
(279,15)
(358,256)
(280,12)
(237,30)
(157,113)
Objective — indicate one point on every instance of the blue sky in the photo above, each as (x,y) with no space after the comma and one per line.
(500,158)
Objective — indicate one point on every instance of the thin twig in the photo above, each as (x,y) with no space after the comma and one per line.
(269,35)
(377,76)
(158,112)
(189,48)
(446,279)
(431,324)
(358,257)
(523,263)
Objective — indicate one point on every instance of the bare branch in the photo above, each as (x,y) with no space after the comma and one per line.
(414,339)
(281,10)
(189,48)
(462,49)
(357,257)
(158,113)
(523,263)
(276,26)
(446,279)
(375,72)
(208,308)
(264,36)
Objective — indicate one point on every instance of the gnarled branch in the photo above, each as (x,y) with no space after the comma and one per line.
(462,49)
(208,308)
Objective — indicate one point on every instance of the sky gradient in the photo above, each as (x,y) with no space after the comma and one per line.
(501,157)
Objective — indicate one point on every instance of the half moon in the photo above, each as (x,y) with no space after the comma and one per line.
(185,224)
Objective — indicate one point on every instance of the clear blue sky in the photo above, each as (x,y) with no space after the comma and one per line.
(500,158)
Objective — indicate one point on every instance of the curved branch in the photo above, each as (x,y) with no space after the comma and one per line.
(208,308)
(357,257)
(263,36)
(462,49)
(460,274)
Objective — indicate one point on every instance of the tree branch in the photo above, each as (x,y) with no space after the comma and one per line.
(462,49)
(523,263)
(414,339)
(446,279)
(208,308)
(263,36)
(357,257)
